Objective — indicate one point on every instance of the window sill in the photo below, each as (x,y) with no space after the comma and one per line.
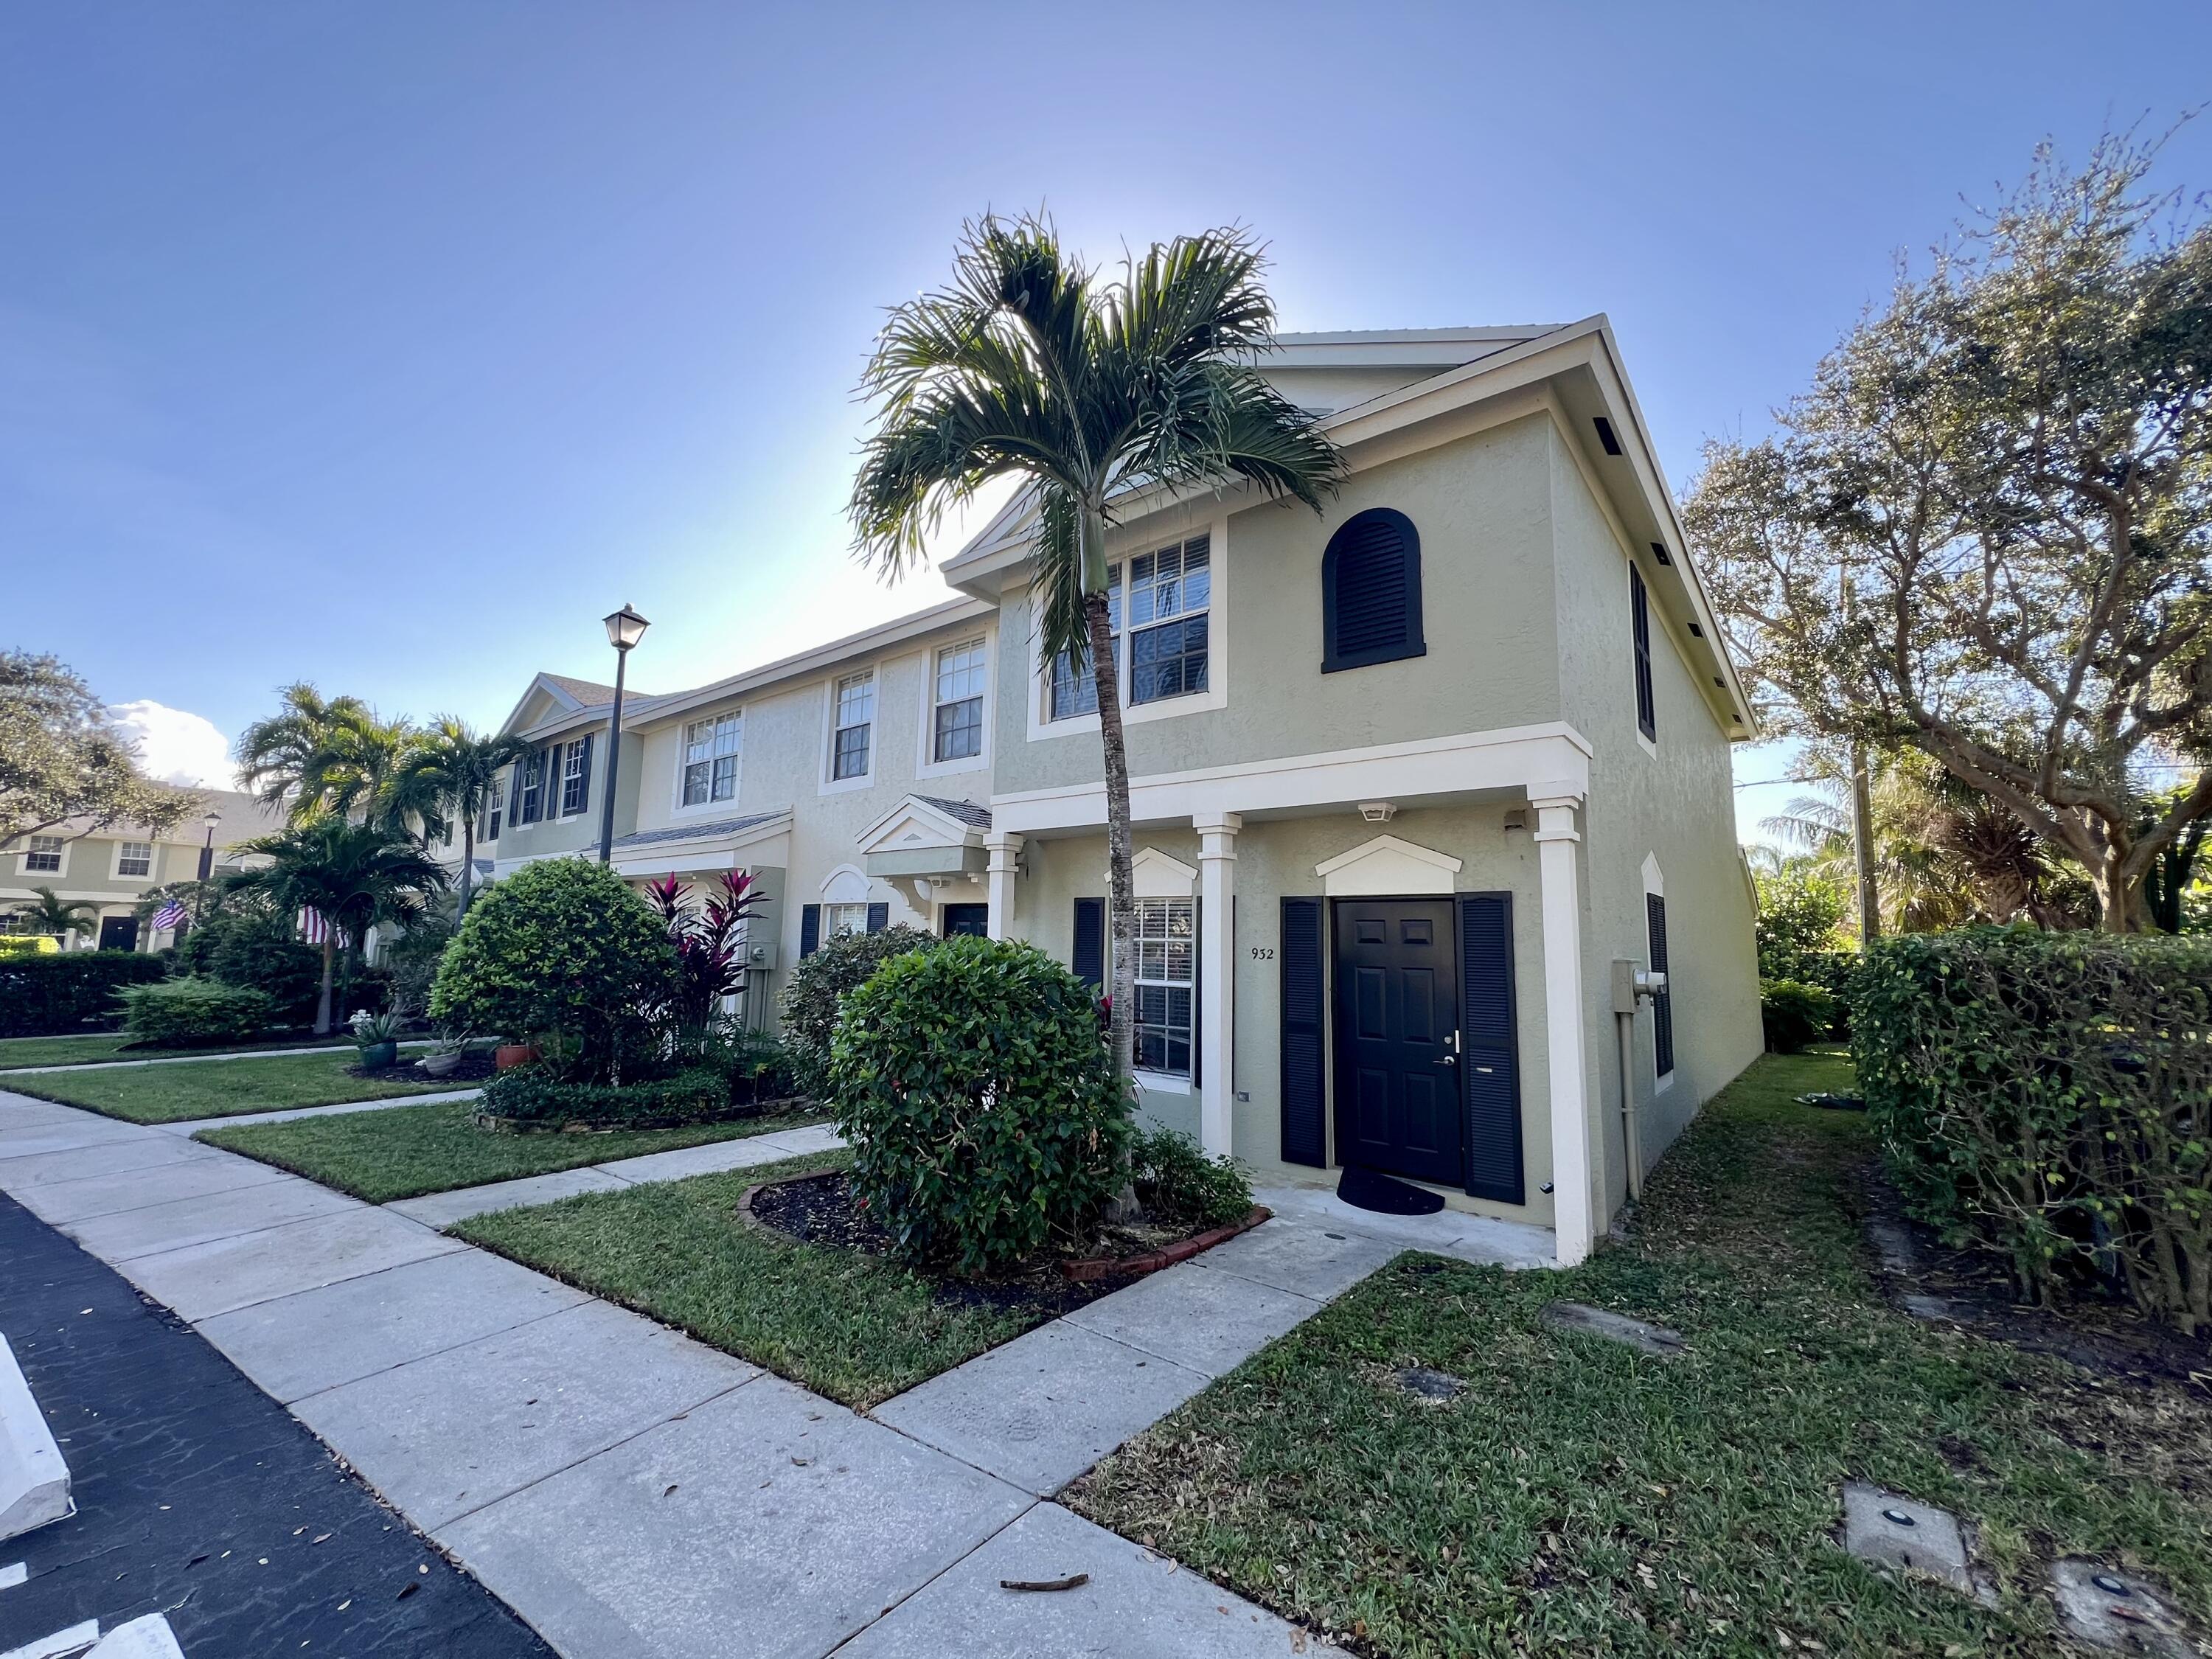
(1646,744)
(1660,1085)
(842,786)
(1161,1083)
(951,767)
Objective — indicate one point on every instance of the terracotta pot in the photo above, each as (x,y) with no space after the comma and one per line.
(508,1055)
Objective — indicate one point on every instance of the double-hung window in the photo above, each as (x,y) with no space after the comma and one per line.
(1167,963)
(530,786)
(1639,628)
(1074,693)
(135,858)
(44,854)
(1169,591)
(843,919)
(855,720)
(575,776)
(956,728)
(711,747)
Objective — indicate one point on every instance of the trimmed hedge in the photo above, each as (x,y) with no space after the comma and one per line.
(529,1097)
(819,986)
(1795,1015)
(75,992)
(182,1013)
(2048,1096)
(975,1087)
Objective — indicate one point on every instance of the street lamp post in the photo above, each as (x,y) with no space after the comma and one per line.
(624,629)
(207,853)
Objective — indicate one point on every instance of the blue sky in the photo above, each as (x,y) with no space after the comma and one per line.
(391,344)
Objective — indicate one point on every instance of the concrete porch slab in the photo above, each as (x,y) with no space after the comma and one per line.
(19,1174)
(1300,1257)
(718,1155)
(320,1338)
(1043,1408)
(192,1126)
(768,1522)
(143,1187)
(1211,1323)
(203,1280)
(1477,1238)
(445,1435)
(443,1209)
(172,1225)
(1137,1605)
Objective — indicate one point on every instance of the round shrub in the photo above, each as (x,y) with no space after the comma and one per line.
(979,1096)
(562,952)
(819,984)
(1796,1015)
(184,1013)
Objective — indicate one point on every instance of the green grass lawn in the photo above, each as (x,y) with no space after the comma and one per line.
(110,1045)
(407,1150)
(216,1088)
(853,1327)
(1579,1498)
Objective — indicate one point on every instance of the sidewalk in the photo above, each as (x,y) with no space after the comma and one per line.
(627,1490)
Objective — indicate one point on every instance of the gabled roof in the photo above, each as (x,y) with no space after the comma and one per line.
(586,692)
(570,698)
(966,811)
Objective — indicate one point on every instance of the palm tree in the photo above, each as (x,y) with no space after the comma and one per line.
(51,914)
(355,875)
(1029,367)
(451,775)
(319,755)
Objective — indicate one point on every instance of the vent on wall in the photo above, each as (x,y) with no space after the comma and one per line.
(1696,632)
(1721,683)
(1605,435)
(1659,552)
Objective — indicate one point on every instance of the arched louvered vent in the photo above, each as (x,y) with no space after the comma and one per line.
(1371,592)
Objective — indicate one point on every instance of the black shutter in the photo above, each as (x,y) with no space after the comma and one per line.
(1088,958)
(809,929)
(583,789)
(1370,578)
(1305,1125)
(1639,606)
(879,917)
(515,794)
(1663,1005)
(1490,1051)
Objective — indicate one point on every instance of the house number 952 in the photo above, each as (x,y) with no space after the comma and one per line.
(1263,953)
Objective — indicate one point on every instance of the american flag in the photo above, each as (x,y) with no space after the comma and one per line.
(169,917)
(315,927)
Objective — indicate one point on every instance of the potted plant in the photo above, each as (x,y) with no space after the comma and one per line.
(508,1055)
(446,1053)
(377,1036)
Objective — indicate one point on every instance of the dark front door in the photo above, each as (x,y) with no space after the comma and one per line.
(969,920)
(1397,1035)
(119,933)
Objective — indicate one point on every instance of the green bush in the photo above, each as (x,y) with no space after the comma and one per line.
(753,1065)
(195,1012)
(975,1087)
(2047,1096)
(64,994)
(1796,1015)
(818,985)
(531,1097)
(562,951)
(1176,1180)
(260,952)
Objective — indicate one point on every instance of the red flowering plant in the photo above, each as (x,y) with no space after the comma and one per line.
(710,943)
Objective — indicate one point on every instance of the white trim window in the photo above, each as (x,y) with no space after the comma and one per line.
(575,776)
(843,919)
(1169,589)
(43,855)
(711,751)
(853,727)
(1071,693)
(134,858)
(956,710)
(1167,975)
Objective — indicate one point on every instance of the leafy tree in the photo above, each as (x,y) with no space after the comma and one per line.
(51,914)
(1801,913)
(1983,532)
(450,777)
(1092,393)
(2175,870)
(357,875)
(815,994)
(63,759)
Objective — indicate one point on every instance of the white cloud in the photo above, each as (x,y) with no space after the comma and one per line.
(175,746)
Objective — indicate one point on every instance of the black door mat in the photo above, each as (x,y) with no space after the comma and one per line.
(1371,1189)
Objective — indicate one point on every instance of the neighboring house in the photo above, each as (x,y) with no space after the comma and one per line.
(1409,778)
(114,868)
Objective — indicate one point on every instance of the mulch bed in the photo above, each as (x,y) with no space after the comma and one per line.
(824,1209)
(475,1066)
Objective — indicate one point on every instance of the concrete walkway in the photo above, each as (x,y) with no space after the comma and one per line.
(192,1060)
(190,1126)
(627,1490)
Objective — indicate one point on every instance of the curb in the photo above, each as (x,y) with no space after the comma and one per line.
(34,1481)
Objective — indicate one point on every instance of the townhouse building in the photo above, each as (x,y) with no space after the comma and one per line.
(1409,779)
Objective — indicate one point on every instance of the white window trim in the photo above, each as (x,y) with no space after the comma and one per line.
(1654,882)
(1652,628)
(152,861)
(23,857)
(926,763)
(676,809)
(560,775)
(826,745)
(1216,695)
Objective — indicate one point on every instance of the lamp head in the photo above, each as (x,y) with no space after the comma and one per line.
(625,628)
(212,820)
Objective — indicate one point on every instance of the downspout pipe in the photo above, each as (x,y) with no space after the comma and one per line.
(1630,986)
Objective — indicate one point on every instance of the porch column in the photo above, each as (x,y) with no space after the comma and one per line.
(1004,848)
(1556,836)
(1216,977)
